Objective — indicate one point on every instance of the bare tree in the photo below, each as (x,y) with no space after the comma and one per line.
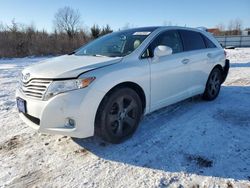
(221,27)
(230,27)
(2,28)
(235,27)
(67,20)
(14,27)
(238,26)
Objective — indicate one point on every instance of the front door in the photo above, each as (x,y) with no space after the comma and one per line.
(170,77)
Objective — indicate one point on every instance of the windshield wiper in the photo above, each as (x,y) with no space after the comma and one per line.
(99,55)
(71,53)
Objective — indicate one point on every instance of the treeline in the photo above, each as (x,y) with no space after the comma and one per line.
(21,41)
(18,40)
(27,41)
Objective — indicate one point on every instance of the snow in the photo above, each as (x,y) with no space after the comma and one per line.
(192,143)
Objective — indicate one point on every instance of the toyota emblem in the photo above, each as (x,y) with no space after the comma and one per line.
(26,76)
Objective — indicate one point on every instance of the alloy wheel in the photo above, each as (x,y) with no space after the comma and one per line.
(122,116)
(214,83)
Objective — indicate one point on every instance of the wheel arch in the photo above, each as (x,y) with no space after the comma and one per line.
(206,95)
(219,67)
(137,88)
(132,85)
(221,70)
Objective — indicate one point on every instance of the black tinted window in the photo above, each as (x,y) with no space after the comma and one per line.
(208,42)
(168,38)
(192,40)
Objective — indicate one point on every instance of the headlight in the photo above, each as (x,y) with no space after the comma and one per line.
(57,87)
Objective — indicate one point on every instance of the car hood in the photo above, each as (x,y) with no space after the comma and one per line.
(67,66)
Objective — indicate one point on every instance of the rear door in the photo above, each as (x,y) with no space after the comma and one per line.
(198,59)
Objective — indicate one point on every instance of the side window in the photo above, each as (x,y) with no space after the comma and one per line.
(192,40)
(168,38)
(208,42)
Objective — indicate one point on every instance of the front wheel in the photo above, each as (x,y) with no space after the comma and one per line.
(213,85)
(118,115)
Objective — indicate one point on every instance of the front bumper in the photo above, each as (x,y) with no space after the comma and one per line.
(51,116)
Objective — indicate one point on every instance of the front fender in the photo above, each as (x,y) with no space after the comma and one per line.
(109,77)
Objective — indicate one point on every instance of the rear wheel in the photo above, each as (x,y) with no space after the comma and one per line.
(118,115)
(213,85)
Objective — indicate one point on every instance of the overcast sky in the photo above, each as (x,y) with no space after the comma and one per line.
(118,13)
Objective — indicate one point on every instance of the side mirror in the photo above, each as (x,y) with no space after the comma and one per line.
(162,51)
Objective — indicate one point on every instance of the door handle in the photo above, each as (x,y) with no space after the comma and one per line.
(185,61)
(209,55)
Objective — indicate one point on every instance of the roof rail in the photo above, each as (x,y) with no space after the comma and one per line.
(202,28)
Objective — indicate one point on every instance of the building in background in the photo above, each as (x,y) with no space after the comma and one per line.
(214,31)
(246,32)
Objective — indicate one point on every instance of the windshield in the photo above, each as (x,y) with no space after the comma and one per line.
(116,44)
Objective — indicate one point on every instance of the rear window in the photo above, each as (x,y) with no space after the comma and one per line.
(208,42)
(192,40)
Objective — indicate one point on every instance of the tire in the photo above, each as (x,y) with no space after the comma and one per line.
(213,85)
(118,115)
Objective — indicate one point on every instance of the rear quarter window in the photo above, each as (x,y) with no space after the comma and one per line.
(192,40)
(208,42)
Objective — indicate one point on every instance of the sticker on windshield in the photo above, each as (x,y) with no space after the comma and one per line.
(142,33)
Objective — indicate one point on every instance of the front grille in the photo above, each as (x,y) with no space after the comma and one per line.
(35,88)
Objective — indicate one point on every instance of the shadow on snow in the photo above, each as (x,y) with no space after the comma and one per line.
(193,136)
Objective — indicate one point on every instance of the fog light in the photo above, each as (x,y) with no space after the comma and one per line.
(70,123)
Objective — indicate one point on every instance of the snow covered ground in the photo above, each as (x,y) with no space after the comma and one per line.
(190,144)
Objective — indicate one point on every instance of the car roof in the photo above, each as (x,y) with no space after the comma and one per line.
(162,28)
(153,28)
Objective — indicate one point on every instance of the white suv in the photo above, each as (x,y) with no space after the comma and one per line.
(106,86)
